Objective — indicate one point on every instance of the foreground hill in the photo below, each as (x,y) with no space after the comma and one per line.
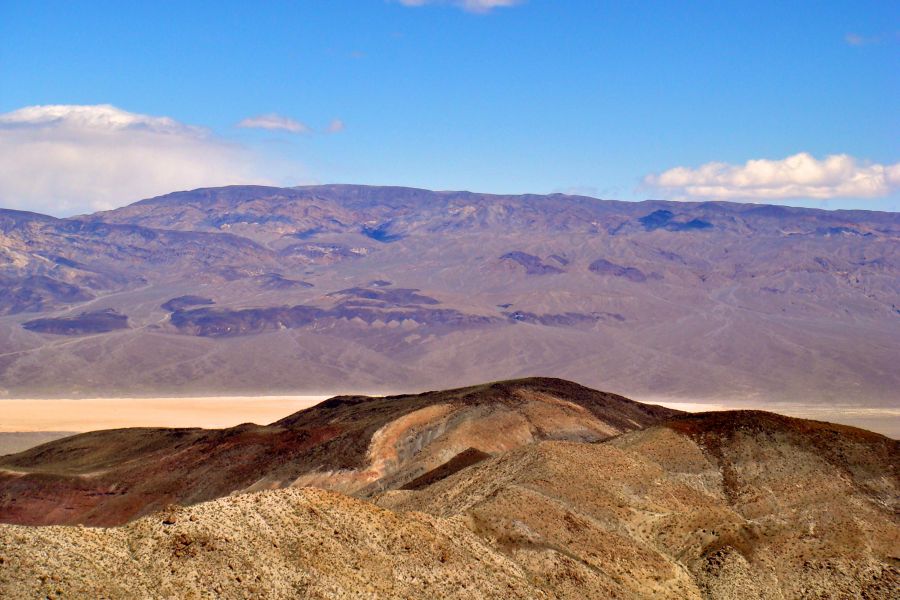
(353,444)
(248,290)
(716,506)
(296,543)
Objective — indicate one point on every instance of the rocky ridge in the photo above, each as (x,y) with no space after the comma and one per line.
(353,444)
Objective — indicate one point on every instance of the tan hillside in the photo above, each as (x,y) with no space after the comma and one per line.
(296,543)
(719,505)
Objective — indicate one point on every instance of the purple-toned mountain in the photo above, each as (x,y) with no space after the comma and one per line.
(338,287)
(48,263)
(388,214)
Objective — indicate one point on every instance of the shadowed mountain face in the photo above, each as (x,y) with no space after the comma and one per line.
(353,444)
(101,321)
(380,289)
(507,490)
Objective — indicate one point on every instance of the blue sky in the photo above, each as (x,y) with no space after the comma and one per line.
(602,98)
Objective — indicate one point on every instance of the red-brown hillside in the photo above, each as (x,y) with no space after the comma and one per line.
(355,444)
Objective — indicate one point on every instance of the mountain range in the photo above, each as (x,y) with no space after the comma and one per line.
(248,290)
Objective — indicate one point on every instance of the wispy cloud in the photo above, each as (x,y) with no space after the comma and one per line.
(274,122)
(64,159)
(854,39)
(336,126)
(475,6)
(797,176)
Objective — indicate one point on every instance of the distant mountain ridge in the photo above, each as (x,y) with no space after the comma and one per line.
(377,212)
(321,288)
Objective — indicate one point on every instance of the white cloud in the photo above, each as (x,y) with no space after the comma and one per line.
(64,159)
(476,6)
(274,122)
(336,126)
(797,176)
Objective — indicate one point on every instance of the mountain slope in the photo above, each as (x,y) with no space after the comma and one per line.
(19,441)
(738,504)
(48,263)
(286,544)
(383,289)
(353,444)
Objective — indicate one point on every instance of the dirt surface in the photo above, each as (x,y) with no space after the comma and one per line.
(92,414)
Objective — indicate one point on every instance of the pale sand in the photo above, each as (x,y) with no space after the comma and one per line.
(89,414)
